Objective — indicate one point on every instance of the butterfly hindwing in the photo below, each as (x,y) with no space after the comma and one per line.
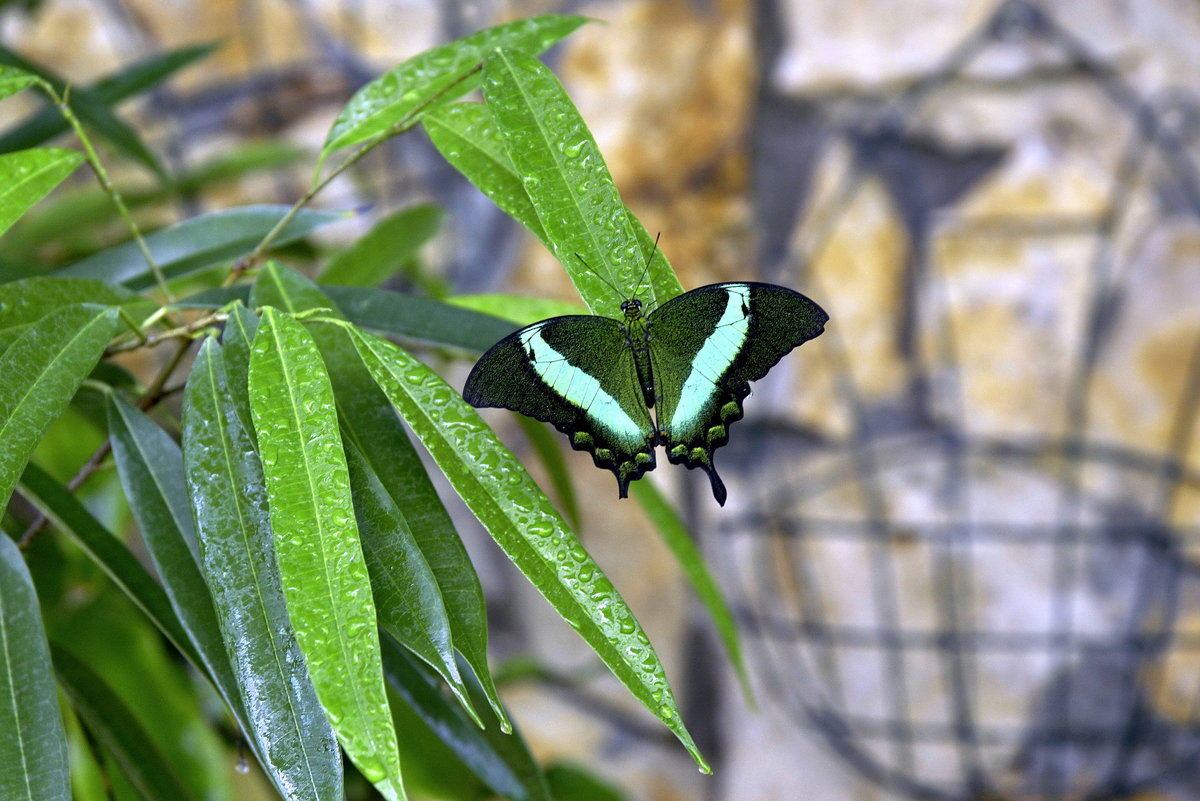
(706,346)
(576,373)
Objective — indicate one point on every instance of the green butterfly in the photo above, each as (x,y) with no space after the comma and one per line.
(691,360)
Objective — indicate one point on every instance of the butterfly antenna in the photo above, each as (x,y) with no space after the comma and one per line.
(598,275)
(649,259)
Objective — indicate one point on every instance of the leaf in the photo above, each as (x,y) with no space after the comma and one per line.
(13,80)
(369,421)
(92,111)
(196,243)
(677,538)
(118,730)
(320,561)
(68,514)
(569,185)
(521,309)
(133,79)
(229,501)
(407,597)
(502,761)
(437,75)
(28,175)
(28,300)
(571,782)
(237,338)
(394,241)
(33,743)
(467,136)
(510,505)
(41,371)
(151,468)
(545,445)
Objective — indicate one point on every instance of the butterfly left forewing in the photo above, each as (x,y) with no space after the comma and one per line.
(706,347)
(576,373)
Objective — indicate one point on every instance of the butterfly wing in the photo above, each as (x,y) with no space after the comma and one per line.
(576,373)
(706,346)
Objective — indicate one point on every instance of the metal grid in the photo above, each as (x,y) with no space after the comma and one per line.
(868,569)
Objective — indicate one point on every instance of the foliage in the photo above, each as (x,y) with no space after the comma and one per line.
(305,568)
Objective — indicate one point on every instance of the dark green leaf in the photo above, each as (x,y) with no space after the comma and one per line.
(570,782)
(436,75)
(28,175)
(407,598)
(13,80)
(33,746)
(519,517)
(41,371)
(677,538)
(237,338)
(24,302)
(68,514)
(521,309)
(197,243)
(229,500)
(500,760)
(324,574)
(387,247)
(116,728)
(131,80)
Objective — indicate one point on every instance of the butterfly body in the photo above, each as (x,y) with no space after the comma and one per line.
(690,360)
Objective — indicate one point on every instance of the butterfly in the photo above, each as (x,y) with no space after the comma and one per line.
(691,360)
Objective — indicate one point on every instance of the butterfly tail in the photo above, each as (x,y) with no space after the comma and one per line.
(718,486)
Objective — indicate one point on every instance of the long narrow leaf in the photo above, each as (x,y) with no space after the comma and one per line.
(510,505)
(33,745)
(116,727)
(13,80)
(130,80)
(196,243)
(393,242)
(67,513)
(586,224)
(502,761)
(229,500)
(92,111)
(39,374)
(325,578)
(440,74)
(369,421)
(407,597)
(28,300)
(28,175)
(676,536)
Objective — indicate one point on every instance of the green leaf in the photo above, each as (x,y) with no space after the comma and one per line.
(502,761)
(13,80)
(570,187)
(571,782)
(68,514)
(546,445)
(87,781)
(130,80)
(467,136)
(510,505)
(194,244)
(33,744)
(118,730)
(419,318)
(151,468)
(41,371)
(92,111)
(437,75)
(521,309)
(28,300)
(407,597)
(28,175)
(677,538)
(324,574)
(229,500)
(393,242)
(237,338)
(368,421)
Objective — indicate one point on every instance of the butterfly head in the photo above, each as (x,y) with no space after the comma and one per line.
(632,309)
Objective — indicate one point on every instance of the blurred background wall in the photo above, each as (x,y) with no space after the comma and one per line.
(964,523)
